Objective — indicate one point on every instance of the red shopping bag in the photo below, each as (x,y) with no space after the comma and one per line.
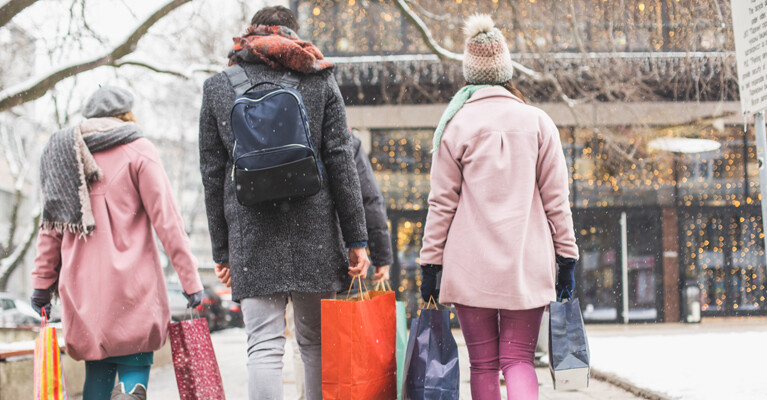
(194,361)
(358,347)
(49,378)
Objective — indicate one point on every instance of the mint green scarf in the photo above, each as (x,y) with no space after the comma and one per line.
(456,103)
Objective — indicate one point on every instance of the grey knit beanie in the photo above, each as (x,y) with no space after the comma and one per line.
(108,101)
(486,59)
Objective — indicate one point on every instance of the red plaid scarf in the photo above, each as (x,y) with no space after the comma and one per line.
(278,47)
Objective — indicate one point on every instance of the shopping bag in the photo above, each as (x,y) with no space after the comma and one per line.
(358,347)
(569,359)
(401,335)
(194,361)
(49,377)
(431,359)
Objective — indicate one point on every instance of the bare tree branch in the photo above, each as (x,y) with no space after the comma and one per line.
(33,91)
(446,54)
(153,68)
(10,263)
(440,51)
(13,8)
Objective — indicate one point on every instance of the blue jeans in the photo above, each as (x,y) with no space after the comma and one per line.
(100,375)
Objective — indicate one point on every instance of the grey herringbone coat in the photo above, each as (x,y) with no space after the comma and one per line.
(286,246)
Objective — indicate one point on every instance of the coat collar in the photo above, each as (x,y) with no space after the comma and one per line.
(494,91)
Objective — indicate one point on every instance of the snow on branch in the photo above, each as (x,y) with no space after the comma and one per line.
(37,87)
(13,8)
(150,67)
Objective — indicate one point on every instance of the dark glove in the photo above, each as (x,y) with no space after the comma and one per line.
(565,277)
(429,281)
(41,299)
(195,299)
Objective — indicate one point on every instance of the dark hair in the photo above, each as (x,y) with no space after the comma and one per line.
(277,15)
(509,85)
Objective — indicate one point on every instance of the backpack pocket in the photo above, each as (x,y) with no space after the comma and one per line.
(281,173)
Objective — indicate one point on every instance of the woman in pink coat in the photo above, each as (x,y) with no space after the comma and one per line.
(499,218)
(104,189)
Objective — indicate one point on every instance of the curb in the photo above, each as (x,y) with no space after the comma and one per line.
(627,386)
(616,381)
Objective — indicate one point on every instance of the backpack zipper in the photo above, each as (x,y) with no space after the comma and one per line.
(278,91)
(272,150)
(234,149)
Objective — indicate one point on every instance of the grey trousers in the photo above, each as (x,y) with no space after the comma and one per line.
(265,325)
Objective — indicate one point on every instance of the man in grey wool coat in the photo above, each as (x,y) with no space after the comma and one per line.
(300,248)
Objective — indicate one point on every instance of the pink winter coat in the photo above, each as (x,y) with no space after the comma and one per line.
(113,295)
(498,207)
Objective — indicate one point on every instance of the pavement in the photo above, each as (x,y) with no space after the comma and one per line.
(231,355)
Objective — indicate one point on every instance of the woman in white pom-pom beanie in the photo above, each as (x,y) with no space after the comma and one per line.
(499,223)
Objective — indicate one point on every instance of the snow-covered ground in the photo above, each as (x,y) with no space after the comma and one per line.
(724,361)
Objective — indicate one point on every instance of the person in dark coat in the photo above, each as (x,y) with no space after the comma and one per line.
(379,243)
(288,249)
(379,240)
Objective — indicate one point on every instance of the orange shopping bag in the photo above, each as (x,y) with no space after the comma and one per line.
(49,378)
(358,347)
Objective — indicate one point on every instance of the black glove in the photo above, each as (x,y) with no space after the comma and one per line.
(41,299)
(429,281)
(565,277)
(195,299)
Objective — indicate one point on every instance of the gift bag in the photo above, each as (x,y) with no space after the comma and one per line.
(569,359)
(431,363)
(49,378)
(358,347)
(194,361)
(401,335)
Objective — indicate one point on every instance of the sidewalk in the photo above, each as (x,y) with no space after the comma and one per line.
(720,358)
(231,354)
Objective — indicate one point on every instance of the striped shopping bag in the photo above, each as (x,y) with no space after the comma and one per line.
(49,378)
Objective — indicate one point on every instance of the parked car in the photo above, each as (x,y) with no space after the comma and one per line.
(210,308)
(234,317)
(17,312)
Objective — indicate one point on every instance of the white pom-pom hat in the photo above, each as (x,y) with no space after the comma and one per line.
(486,58)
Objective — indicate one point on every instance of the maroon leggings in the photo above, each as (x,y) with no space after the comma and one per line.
(501,340)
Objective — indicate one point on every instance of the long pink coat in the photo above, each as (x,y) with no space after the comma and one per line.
(498,207)
(113,294)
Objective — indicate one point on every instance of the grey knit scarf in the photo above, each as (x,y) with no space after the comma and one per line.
(67,168)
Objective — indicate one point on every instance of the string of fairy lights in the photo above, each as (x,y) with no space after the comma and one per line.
(348,27)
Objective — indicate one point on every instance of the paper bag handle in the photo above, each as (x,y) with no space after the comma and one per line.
(432,301)
(363,288)
(383,286)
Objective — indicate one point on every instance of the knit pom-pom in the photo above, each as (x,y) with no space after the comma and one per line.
(476,24)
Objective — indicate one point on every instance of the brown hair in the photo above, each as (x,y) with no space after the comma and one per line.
(277,15)
(127,116)
(509,85)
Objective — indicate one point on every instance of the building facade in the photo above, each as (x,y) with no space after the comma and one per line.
(624,74)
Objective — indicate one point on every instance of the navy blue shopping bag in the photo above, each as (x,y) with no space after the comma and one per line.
(569,358)
(431,360)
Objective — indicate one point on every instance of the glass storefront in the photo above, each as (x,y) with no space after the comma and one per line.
(720,239)
(599,282)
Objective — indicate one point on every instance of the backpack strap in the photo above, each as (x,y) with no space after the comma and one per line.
(290,79)
(238,79)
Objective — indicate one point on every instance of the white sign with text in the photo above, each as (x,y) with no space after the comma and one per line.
(749,24)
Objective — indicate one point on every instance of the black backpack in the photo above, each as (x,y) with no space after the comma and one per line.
(273,156)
